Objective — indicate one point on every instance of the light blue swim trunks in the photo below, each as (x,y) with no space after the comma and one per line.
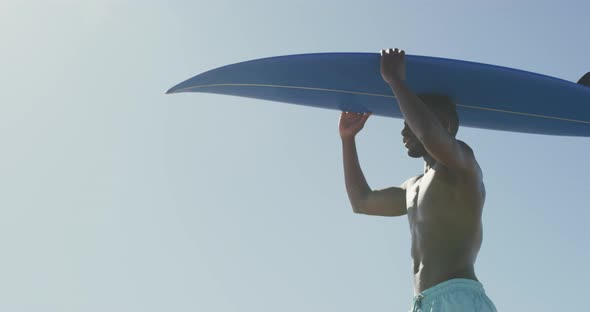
(455,295)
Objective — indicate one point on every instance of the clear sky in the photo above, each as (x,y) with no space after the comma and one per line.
(117,197)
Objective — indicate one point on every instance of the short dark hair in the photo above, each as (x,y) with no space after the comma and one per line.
(443,107)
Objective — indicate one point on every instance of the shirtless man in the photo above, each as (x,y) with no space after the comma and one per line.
(444,205)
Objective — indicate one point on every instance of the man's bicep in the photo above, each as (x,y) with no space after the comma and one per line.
(390,202)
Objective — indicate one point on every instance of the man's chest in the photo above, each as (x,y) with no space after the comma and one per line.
(430,194)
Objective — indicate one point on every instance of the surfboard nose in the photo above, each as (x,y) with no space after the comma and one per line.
(172,90)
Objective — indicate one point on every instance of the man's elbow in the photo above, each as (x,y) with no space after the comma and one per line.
(358,207)
(358,211)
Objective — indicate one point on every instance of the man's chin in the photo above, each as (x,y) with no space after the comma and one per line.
(414,153)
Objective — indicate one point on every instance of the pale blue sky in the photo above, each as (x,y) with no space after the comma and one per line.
(120,198)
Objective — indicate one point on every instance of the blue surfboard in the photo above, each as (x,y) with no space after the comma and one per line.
(487,96)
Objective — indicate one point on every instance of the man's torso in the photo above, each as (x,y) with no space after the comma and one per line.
(444,212)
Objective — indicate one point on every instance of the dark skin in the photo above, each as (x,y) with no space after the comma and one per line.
(444,204)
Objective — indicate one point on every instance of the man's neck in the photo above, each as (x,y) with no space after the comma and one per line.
(429,162)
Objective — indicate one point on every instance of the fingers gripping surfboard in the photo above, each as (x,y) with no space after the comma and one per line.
(487,96)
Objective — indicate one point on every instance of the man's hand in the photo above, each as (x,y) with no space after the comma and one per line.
(393,65)
(351,123)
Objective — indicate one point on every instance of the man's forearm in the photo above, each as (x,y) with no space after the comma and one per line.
(416,114)
(356,184)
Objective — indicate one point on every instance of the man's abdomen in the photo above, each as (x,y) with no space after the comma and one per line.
(440,254)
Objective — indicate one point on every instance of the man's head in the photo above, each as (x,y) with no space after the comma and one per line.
(444,109)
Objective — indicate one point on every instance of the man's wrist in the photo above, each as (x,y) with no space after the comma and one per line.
(395,82)
(348,138)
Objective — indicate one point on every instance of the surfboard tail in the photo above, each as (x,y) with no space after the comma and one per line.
(585,80)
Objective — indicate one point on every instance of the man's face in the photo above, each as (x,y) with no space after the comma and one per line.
(414,146)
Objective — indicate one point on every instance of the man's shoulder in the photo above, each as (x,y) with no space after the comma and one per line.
(465,146)
(469,158)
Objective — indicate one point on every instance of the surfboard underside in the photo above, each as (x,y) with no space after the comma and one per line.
(487,96)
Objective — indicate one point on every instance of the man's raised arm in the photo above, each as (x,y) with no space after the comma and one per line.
(437,140)
(388,202)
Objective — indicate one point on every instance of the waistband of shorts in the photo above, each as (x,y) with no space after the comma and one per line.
(452,284)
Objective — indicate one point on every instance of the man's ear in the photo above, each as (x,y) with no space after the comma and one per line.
(446,123)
